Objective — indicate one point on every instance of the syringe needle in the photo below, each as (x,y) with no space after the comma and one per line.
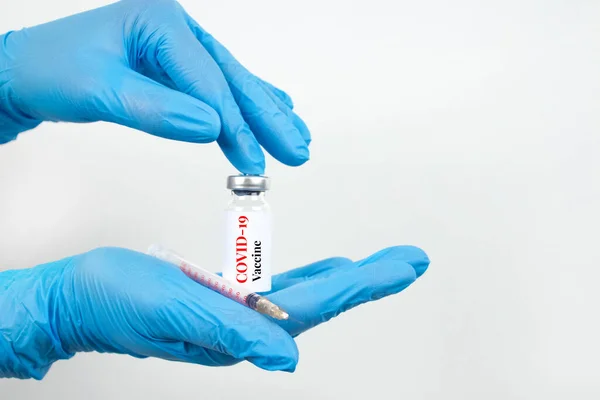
(264,306)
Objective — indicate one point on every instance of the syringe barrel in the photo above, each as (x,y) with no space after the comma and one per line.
(202,276)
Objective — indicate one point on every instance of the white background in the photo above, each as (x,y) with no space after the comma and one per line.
(467,128)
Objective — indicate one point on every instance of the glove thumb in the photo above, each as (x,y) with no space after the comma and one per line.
(143,104)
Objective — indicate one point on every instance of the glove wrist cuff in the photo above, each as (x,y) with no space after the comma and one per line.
(12,120)
(29,342)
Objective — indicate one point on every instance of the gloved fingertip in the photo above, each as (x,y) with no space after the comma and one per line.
(301,155)
(291,368)
(286,98)
(397,276)
(250,163)
(286,360)
(253,169)
(411,255)
(285,364)
(278,352)
(415,257)
(246,165)
(206,126)
(302,128)
(421,266)
(244,152)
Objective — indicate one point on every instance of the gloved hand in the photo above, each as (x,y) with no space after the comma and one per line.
(147,65)
(121,301)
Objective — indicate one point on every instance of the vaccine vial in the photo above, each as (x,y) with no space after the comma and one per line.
(248,233)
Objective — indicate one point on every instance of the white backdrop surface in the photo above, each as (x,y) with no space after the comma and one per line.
(474,131)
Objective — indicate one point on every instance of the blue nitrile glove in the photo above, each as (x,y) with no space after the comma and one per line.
(147,65)
(121,301)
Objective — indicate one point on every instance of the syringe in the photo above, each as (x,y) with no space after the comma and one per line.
(219,284)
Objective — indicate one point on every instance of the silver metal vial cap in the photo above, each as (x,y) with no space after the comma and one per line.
(250,183)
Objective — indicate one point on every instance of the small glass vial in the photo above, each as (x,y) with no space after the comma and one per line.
(248,233)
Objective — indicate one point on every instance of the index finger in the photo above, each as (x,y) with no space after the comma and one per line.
(281,132)
(194,72)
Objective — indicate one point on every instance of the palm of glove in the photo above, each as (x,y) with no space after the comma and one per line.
(117,300)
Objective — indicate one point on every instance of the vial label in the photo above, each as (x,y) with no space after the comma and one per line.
(248,249)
